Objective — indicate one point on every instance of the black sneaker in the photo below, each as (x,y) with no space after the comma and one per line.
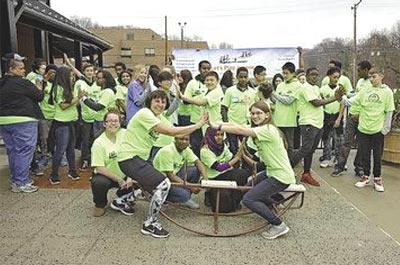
(124,207)
(54,181)
(155,230)
(338,172)
(322,158)
(74,176)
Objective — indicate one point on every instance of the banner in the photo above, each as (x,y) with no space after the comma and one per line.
(230,59)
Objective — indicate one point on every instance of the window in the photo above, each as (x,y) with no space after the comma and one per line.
(126,53)
(130,36)
(149,52)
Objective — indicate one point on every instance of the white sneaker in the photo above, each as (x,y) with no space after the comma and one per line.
(378,185)
(275,231)
(364,181)
(27,188)
(191,204)
(327,163)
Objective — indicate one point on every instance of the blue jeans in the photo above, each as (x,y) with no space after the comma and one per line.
(20,140)
(259,198)
(64,142)
(181,194)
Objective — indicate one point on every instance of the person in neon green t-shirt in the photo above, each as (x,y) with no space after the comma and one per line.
(285,113)
(352,123)
(271,148)
(142,132)
(311,117)
(375,105)
(236,103)
(333,121)
(124,79)
(176,161)
(184,109)
(107,173)
(211,101)
(343,80)
(197,89)
(65,99)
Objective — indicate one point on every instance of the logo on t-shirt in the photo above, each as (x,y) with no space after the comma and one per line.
(374,98)
(112,155)
(154,135)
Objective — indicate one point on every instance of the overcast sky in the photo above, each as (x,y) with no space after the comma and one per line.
(245,24)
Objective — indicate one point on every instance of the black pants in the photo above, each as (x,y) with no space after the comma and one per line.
(310,137)
(366,143)
(100,187)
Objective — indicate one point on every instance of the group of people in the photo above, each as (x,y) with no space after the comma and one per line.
(151,126)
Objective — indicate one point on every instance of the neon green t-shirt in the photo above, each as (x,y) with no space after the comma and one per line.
(209,158)
(163,139)
(308,113)
(361,84)
(169,159)
(286,115)
(107,99)
(47,109)
(139,137)
(373,104)
(238,103)
(93,92)
(273,153)
(31,76)
(213,107)
(104,152)
(195,89)
(122,91)
(343,80)
(64,115)
(327,92)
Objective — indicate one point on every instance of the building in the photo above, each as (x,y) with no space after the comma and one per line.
(34,30)
(134,46)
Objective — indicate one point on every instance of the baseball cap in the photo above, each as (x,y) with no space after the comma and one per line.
(14,56)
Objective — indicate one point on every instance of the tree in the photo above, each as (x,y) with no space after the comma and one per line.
(85,22)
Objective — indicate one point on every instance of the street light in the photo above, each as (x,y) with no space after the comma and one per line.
(182,25)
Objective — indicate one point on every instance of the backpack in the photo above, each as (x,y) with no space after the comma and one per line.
(229,200)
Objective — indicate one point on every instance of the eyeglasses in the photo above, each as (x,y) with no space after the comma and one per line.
(112,121)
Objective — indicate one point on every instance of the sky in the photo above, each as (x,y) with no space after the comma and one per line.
(244,24)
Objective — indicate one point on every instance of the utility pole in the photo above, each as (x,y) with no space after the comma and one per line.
(166,41)
(182,25)
(354,8)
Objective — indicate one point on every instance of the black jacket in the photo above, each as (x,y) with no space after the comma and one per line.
(19,97)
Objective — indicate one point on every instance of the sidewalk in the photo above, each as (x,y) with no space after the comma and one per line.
(56,227)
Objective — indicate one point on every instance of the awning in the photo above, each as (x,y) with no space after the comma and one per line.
(38,15)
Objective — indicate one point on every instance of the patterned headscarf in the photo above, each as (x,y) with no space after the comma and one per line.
(209,140)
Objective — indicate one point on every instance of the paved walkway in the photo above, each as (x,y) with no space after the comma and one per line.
(335,226)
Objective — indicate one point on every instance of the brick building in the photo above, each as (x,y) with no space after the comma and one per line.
(134,46)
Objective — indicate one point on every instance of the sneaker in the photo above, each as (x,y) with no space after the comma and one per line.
(378,185)
(64,161)
(364,181)
(275,231)
(37,172)
(327,163)
(307,178)
(74,176)
(54,181)
(85,165)
(191,204)
(338,172)
(27,188)
(321,158)
(97,212)
(155,230)
(123,207)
